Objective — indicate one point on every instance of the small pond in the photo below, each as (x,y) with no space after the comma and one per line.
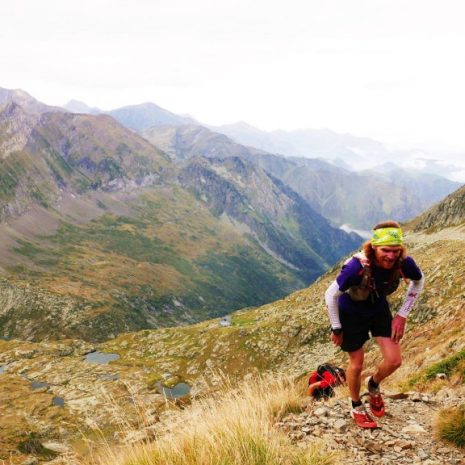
(39,385)
(100,358)
(2,370)
(58,401)
(177,391)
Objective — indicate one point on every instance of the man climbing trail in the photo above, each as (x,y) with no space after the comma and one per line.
(357,307)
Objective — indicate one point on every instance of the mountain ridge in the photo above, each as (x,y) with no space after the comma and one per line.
(344,197)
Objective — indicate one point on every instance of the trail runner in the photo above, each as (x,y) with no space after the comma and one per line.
(357,307)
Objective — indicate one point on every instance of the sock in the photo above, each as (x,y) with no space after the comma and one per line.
(372,385)
(356,403)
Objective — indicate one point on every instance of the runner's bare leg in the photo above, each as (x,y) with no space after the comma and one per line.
(392,358)
(354,373)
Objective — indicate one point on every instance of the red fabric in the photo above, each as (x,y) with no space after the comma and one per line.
(327,379)
(314,377)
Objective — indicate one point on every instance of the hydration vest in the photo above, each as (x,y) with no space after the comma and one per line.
(367,287)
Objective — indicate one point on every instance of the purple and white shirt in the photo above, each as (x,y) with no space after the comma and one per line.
(351,275)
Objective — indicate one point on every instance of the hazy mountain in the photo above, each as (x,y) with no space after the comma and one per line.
(428,188)
(75,106)
(26,101)
(136,117)
(450,166)
(184,142)
(342,150)
(359,200)
(146,115)
(345,150)
(356,152)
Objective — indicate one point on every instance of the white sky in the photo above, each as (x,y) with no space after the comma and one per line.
(393,70)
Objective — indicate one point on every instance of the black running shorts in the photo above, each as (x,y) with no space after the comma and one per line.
(357,324)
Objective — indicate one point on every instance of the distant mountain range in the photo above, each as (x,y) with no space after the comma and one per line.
(343,150)
(150,221)
(136,117)
(400,188)
(357,199)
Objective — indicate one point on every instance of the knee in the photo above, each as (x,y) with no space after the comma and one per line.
(394,362)
(356,367)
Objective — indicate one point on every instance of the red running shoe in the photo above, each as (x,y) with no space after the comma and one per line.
(376,402)
(362,418)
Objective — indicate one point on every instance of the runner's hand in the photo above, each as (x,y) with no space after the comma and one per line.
(337,339)
(397,328)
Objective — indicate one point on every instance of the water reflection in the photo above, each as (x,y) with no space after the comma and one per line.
(39,385)
(58,401)
(100,358)
(177,391)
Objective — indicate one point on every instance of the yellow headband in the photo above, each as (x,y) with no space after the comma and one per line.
(387,236)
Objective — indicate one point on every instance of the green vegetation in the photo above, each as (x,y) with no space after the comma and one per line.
(454,364)
(243,319)
(82,184)
(166,263)
(251,276)
(450,426)
(11,171)
(38,194)
(111,168)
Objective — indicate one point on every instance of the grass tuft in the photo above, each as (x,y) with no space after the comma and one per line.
(450,426)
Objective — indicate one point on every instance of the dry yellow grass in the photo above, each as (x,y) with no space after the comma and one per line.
(450,426)
(235,427)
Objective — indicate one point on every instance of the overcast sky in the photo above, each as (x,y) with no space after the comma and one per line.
(388,69)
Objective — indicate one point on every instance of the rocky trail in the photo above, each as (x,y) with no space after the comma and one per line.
(405,435)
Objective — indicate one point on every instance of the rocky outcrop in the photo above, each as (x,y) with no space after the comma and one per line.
(449,212)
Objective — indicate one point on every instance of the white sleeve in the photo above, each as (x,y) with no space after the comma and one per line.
(413,291)
(331,296)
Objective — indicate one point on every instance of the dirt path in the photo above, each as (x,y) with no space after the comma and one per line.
(404,436)
(447,234)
